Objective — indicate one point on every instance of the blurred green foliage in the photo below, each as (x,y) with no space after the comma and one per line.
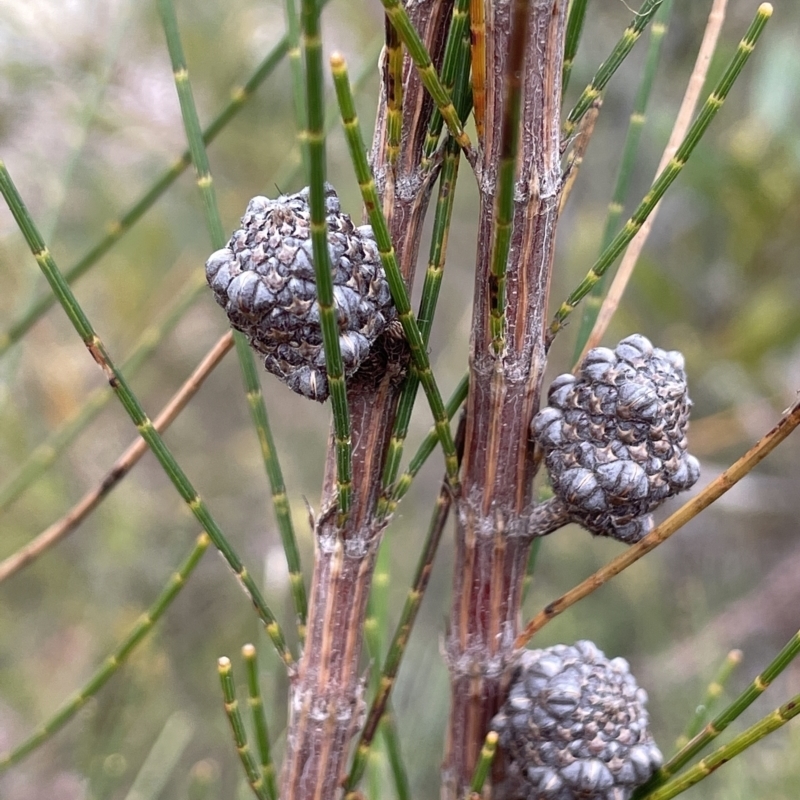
(89,118)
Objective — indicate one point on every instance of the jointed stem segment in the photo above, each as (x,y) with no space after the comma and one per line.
(113,662)
(419,54)
(670,172)
(134,409)
(256,703)
(607,69)
(397,285)
(255,398)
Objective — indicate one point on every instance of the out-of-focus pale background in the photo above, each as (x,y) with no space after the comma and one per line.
(89,119)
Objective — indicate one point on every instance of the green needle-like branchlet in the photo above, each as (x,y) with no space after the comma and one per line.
(134,409)
(755,733)
(670,172)
(713,692)
(296,69)
(113,662)
(256,703)
(607,69)
(394,93)
(45,454)
(255,398)
(577,16)
(315,98)
(426,448)
(369,194)
(422,61)
(234,713)
(427,309)
(452,63)
(630,149)
(714,728)
(507,173)
(239,96)
(484,762)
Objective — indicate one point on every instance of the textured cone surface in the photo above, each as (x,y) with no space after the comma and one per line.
(574,727)
(264,279)
(614,437)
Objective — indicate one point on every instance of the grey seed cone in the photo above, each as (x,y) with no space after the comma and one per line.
(614,440)
(264,279)
(574,727)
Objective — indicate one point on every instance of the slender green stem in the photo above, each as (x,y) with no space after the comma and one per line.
(134,409)
(575,20)
(254,777)
(426,448)
(734,710)
(452,63)
(256,703)
(46,453)
(670,172)
(391,738)
(397,286)
(427,309)
(394,93)
(427,72)
(115,230)
(755,733)
(607,69)
(312,43)
(507,173)
(113,662)
(397,646)
(630,148)
(713,693)
(296,70)
(484,762)
(252,385)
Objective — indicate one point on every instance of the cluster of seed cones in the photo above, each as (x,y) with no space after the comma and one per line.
(614,440)
(574,727)
(265,281)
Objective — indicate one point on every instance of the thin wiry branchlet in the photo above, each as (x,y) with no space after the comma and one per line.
(574,727)
(264,279)
(614,440)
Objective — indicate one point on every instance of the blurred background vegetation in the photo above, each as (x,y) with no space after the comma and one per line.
(89,119)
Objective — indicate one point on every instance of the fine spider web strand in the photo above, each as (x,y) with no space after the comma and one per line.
(369,194)
(252,386)
(630,149)
(427,72)
(135,411)
(713,693)
(727,752)
(719,486)
(714,728)
(114,661)
(122,466)
(607,69)
(579,145)
(394,92)
(45,454)
(256,703)
(397,646)
(697,79)
(315,116)
(575,20)
(239,97)
(453,65)
(669,173)
(254,777)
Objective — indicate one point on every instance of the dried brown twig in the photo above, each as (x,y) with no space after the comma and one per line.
(662,532)
(123,465)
